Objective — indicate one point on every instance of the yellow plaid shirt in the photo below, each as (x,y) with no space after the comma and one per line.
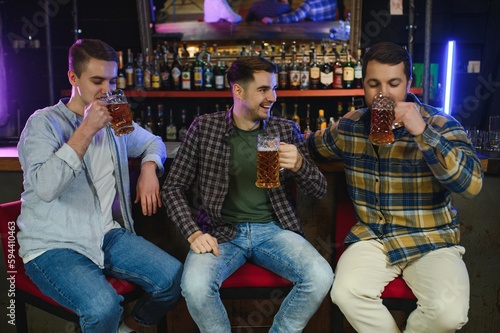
(402,192)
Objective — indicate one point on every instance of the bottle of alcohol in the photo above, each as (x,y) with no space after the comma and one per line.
(321,121)
(326,76)
(198,71)
(171,132)
(358,68)
(186,76)
(331,122)
(340,109)
(155,73)
(183,128)
(294,70)
(129,70)
(295,116)
(314,71)
(149,125)
(121,82)
(160,123)
(184,52)
(176,72)
(165,75)
(139,73)
(348,73)
(147,71)
(304,70)
(338,71)
(283,70)
(307,130)
(284,114)
(209,73)
(220,75)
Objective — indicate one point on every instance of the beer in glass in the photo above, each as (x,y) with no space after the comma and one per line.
(120,111)
(382,119)
(268,166)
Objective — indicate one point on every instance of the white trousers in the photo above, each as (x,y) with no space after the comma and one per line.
(439,280)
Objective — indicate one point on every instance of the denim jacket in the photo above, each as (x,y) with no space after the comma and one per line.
(60,207)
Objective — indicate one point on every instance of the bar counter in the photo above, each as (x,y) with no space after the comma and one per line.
(9,160)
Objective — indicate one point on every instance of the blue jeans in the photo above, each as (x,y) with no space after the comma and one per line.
(268,245)
(79,284)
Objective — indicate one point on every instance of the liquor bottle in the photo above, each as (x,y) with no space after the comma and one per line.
(149,125)
(220,75)
(283,71)
(121,82)
(348,73)
(209,73)
(284,114)
(272,59)
(304,70)
(358,80)
(314,71)
(165,75)
(198,71)
(307,130)
(184,52)
(331,122)
(340,109)
(176,72)
(155,73)
(295,116)
(160,123)
(321,121)
(294,70)
(129,70)
(326,76)
(139,73)
(171,132)
(338,71)
(147,71)
(183,128)
(186,76)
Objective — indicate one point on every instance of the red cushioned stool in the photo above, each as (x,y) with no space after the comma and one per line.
(396,295)
(252,281)
(27,292)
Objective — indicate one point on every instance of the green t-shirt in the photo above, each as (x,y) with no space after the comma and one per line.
(245,202)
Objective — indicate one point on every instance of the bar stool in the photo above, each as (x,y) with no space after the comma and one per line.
(26,292)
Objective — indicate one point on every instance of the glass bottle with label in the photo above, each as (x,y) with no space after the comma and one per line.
(295,116)
(321,120)
(176,72)
(186,76)
(129,70)
(294,70)
(139,73)
(171,132)
(314,71)
(307,130)
(184,127)
(198,71)
(338,71)
(155,72)
(348,73)
(121,82)
(165,75)
(220,75)
(304,70)
(147,71)
(160,122)
(209,73)
(326,76)
(358,68)
(283,71)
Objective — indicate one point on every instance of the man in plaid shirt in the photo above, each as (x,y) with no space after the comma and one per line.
(237,221)
(312,10)
(402,195)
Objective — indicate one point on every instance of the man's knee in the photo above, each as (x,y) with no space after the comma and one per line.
(103,308)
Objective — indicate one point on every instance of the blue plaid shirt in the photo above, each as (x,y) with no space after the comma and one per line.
(200,173)
(313,10)
(402,194)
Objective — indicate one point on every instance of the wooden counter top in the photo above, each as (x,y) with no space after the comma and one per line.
(9,160)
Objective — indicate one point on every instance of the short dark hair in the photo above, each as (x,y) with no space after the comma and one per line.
(391,54)
(243,68)
(83,50)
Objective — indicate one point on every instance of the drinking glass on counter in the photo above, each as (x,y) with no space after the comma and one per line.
(268,166)
(494,133)
(120,111)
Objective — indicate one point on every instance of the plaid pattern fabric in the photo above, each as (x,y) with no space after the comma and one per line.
(200,174)
(313,10)
(402,194)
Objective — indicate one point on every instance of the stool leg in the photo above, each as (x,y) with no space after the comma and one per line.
(21,317)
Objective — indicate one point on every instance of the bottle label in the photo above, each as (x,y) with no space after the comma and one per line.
(358,72)
(186,80)
(198,77)
(326,78)
(129,76)
(155,81)
(348,74)
(315,73)
(176,73)
(295,78)
(121,82)
(304,79)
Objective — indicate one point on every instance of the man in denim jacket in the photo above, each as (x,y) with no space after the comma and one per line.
(76,222)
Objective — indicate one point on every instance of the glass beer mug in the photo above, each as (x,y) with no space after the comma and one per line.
(268,164)
(382,120)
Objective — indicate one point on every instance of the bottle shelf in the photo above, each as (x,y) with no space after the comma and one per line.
(227,93)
